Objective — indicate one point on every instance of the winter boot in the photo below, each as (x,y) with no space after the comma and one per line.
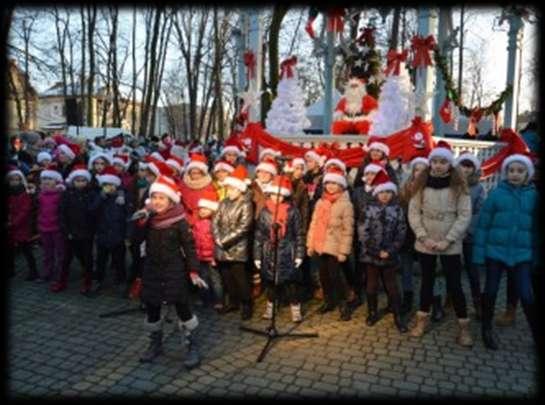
(346,313)
(437,313)
(531,317)
(478,307)
(372,313)
(486,326)
(407,305)
(155,347)
(464,336)
(268,311)
(86,284)
(398,321)
(508,317)
(246,312)
(422,321)
(296,313)
(192,357)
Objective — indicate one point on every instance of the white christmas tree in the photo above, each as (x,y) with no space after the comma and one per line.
(287,113)
(396,104)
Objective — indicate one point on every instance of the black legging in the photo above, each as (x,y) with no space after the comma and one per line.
(118,262)
(388,275)
(83,251)
(472,271)
(26,249)
(453,271)
(332,279)
(182,310)
(236,281)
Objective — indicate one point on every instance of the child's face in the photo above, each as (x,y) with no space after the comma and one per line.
(369,177)
(263,176)
(141,173)
(333,188)
(221,175)
(150,176)
(376,154)
(233,193)
(109,188)
(276,198)
(311,164)
(99,165)
(47,184)
(466,168)
(385,197)
(517,174)
(205,212)
(298,172)
(439,166)
(230,157)
(160,202)
(45,162)
(418,168)
(118,168)
(14,181)
(80,183)
(63,157)
(196,174)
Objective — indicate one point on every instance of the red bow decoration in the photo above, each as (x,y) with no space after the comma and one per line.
(335,21)
(286,67)
(394,60)
(249,62)
(421,47)
(367,36)
(445,111)
(474,118)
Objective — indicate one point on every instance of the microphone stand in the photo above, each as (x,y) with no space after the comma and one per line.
(271,332)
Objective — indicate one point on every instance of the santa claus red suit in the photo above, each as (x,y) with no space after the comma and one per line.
(352,114)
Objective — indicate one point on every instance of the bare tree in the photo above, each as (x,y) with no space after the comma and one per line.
(91,25)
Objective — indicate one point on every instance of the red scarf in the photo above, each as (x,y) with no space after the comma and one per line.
(171,216)
(281,216)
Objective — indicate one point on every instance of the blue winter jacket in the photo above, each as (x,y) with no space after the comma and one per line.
(506,230)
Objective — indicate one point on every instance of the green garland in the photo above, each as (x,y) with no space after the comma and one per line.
(452,94)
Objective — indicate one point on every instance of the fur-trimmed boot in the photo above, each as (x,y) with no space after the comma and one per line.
(296,313)
(155,347)
(192,357)
(464,335)
(268,311)
(422,321)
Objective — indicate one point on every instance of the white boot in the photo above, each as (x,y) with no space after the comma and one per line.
(296,313)
(268,311)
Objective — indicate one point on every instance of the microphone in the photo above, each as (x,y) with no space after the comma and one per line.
(142,214)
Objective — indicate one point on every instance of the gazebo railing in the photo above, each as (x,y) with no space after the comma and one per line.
(482,149)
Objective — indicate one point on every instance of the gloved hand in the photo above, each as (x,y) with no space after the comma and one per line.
(298,262)
(257,263)
(196,280)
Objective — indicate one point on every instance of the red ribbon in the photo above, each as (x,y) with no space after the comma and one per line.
(394,60)
(335,20)
(286,67)
(421,47)
(249,62)
(445,112)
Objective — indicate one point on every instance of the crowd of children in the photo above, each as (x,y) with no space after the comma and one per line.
(188,220)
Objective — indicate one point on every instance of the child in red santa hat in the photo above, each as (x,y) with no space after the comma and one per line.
(378,153)
(221,170)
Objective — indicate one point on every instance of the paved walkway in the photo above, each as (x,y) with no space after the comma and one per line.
(59,347)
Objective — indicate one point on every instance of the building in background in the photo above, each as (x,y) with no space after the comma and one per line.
(20,95)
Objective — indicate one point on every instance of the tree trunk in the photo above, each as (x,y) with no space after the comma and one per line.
(60,44)
(395,28)
(115,79)
(7,16)
(82,74)
(461,53)
(279,12)
(91,13)
(133,115)
(18,105)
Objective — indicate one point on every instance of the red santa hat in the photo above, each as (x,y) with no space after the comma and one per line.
(223,165)
(267,165)
(442,150)
(198,161)
(176,163)
(158,156)
(337,162)
(319,154)
(517,157)
(158,167)
(177,151)
(51,172)
(372,168)
(232,145)
(280,185)
(299,161)
(417,160)
(238,178)
(382,182)
(268,151)
(43,155)
(209,199)
(142,165)
(78,170)
(99,155)
(335,175)
(377,144)
(70,150)
(110,176)
(122,160)
(13,171)
(468,156)
(165,185)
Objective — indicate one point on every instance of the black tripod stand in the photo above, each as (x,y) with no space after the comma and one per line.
(271,332)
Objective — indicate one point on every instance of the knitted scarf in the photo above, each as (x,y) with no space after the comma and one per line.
(281,216)
(197,184)
(166,219)
(323,214)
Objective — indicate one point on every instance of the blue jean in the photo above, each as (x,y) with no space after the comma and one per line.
(212,277)
(521,277)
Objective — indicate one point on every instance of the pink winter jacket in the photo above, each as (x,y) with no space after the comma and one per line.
(48,211)
(204,239)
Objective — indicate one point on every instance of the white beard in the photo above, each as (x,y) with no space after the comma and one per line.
(354,99)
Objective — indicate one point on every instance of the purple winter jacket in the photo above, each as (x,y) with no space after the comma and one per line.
(48,212)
